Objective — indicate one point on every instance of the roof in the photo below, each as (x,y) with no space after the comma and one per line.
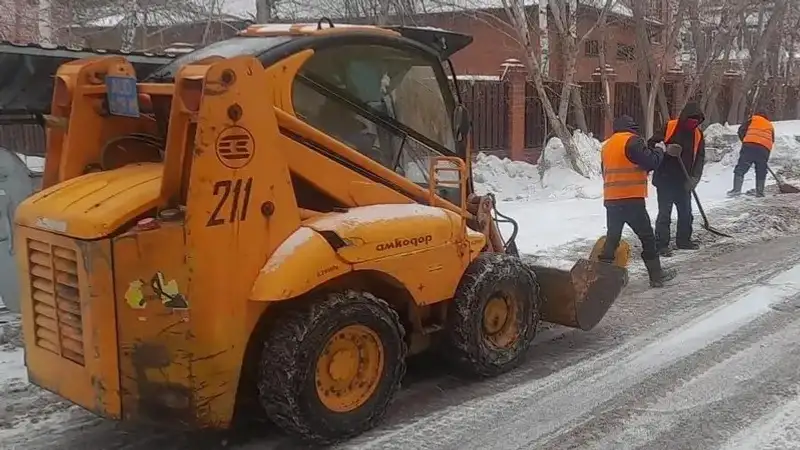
(314,8)
(444,42)
(27,70)
(62,51)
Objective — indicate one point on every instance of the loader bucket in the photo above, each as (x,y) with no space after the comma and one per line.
(580,297)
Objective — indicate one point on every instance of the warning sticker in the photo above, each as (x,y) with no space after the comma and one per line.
(235,147)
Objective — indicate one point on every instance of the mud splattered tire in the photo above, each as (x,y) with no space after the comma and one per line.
(494,315)
(330,369)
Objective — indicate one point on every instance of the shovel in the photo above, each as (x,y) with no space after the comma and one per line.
(706,225)
(783,187)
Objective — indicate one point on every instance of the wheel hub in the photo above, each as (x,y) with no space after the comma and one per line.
(500,321)
(496,315)
(349,368)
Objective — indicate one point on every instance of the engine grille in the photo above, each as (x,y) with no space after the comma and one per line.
(56,300)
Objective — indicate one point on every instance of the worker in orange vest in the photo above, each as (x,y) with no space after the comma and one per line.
(758,138)
(672,185)
(626,159)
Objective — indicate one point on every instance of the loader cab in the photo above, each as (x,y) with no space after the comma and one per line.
(390,96)
(389,102)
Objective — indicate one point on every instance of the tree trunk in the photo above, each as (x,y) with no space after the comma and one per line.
(561,130)
(537,57)
(757,57)
(544,38)
(45,24)
(264,11)
(650,112)
(608,110)
(663,104)
(578,111)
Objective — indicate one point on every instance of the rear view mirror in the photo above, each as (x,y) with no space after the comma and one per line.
(461,122)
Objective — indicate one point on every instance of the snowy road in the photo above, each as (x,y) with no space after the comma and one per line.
(710,362)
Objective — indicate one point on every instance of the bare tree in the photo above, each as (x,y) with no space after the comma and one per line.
(757,55)
(266,10)
(654,65)
(536,60)
(712,30)
(370,11)
(603,66)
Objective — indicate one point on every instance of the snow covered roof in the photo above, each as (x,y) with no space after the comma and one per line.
(158,18)
(315,8)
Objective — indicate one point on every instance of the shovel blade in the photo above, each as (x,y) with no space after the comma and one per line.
(715,231)
(580,297)
(787,188)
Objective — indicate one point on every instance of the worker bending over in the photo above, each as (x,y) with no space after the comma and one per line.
(673,187)
(626,160)
(758,138)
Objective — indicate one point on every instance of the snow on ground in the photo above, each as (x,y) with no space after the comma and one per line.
(562,213)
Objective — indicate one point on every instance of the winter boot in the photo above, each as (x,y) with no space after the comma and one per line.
(738,180)
(658,275)
(665,252)
(760,187)
(688,245)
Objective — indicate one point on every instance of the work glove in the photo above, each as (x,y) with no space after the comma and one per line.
(674,150)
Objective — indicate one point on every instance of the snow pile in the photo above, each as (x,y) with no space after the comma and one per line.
(559,177)
(723,145)
(517,180)
(720,142)
(10,336)
(508,180)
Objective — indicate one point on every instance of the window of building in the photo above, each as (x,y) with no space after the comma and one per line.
(626,52)
(592,48)
(392,105)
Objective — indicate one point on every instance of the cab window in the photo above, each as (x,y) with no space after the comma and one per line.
(390,104)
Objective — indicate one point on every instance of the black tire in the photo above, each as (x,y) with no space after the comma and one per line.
(471,346)
(287,383)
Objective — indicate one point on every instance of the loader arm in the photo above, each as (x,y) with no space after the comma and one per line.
(576,298)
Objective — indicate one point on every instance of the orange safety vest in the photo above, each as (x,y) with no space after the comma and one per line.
(760,132)
(621,178)
(672,126)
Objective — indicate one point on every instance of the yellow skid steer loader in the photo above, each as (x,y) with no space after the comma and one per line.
(283,216)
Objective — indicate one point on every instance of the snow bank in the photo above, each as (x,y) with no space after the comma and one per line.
(507,179)
(34,163)
(553,178)
(723,145)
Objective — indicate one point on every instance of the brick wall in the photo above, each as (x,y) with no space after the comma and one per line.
(493,44)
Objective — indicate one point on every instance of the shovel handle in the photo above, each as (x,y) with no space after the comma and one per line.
(694,194)
(706,224)
(775,175)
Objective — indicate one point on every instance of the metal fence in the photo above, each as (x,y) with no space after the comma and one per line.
(537,130)
(488,105)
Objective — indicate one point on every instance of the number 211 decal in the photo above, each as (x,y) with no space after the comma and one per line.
(234,197)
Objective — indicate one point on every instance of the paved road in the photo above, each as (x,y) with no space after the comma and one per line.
(710,362)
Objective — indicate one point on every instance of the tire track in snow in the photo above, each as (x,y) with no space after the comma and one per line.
(666,407)
(707,279)
(537,409)
(637,316)
(777,430)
